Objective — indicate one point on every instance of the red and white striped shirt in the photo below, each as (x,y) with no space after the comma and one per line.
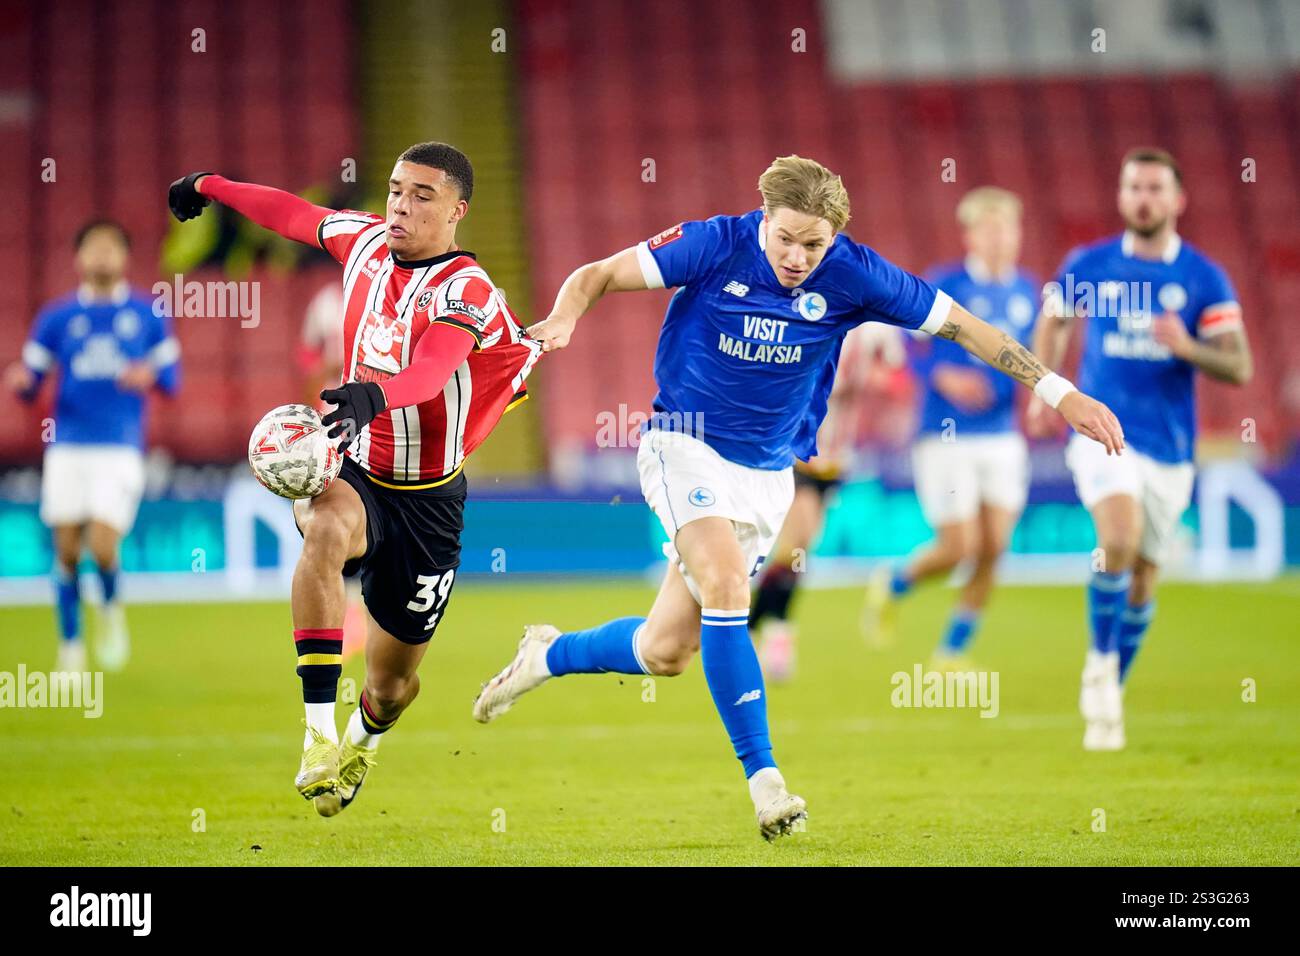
(387,307)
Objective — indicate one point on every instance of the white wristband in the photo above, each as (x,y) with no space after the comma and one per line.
(1051,388)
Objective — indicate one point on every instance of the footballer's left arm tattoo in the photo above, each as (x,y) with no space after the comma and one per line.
(993,346)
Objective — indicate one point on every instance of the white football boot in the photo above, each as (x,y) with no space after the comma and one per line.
(779,812)
(526,672)
(72,659)
(1101,703)
(112,640)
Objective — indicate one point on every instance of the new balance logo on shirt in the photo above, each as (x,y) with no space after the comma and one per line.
(737,289)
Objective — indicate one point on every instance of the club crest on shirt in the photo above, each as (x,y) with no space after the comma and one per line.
(667,236)
(126,324)
(422,303)
(811,305)
(1020,310)
(701,497)
(1172,297)
(380,339)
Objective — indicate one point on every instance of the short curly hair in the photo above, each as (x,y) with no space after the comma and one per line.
(447,158)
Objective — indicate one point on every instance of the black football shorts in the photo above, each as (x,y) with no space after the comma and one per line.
(412,552)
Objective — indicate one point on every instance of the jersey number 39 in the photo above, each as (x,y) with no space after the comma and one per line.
(433,594)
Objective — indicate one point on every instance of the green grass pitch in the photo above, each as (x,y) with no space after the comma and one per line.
(203,728)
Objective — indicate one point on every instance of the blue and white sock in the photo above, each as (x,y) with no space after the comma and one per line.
(900,582)
(611,647)
(67,592)
(961,628)
(1107,594)
(736,682)
(1133,624)
(108,584)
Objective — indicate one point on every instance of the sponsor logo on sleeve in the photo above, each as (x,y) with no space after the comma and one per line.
(477,316)
(667,236)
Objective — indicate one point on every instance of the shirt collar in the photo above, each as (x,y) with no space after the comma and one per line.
(978,270)
(1172,247)
(433,261)
(121,292)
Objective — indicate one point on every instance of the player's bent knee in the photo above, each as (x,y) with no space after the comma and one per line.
(725,589)
(667,655)
(989,552)
(328,537)
(956,544)
(389,696)
(1120,554)
(668,665)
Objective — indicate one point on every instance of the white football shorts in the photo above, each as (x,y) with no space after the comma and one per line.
(81,483)
(1163,490)
(954,478)
(683,478)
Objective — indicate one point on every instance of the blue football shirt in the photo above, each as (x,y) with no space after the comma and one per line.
(748,364)
(1007,303)
(1151,393)
(92,341)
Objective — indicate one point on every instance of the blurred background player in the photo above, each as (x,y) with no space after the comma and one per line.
(969,463)
(320,350)
(870,351)
(111,348)
(433,357)
(1157,310)
(748,347)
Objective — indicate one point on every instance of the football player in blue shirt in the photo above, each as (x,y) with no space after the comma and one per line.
(744,365)
(970,464)
(1157,310)
(111,349)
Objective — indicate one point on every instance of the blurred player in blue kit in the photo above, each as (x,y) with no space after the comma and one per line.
(1157,310)
(749,347)
(111,349)
(969,463)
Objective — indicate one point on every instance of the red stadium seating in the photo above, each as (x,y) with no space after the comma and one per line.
(124,118)
(712,115)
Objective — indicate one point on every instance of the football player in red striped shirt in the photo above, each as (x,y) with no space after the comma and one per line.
(432,358)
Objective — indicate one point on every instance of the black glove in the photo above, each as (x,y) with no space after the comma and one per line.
(185,201)
(358,404)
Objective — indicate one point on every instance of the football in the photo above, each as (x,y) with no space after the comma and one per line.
(290,453)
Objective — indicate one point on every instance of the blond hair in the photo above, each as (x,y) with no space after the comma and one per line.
(985,199)
(805,186)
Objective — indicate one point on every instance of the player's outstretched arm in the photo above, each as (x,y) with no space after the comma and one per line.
(583,289)
(1086,415)
(291,216)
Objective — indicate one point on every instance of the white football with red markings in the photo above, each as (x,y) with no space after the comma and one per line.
(290,453)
